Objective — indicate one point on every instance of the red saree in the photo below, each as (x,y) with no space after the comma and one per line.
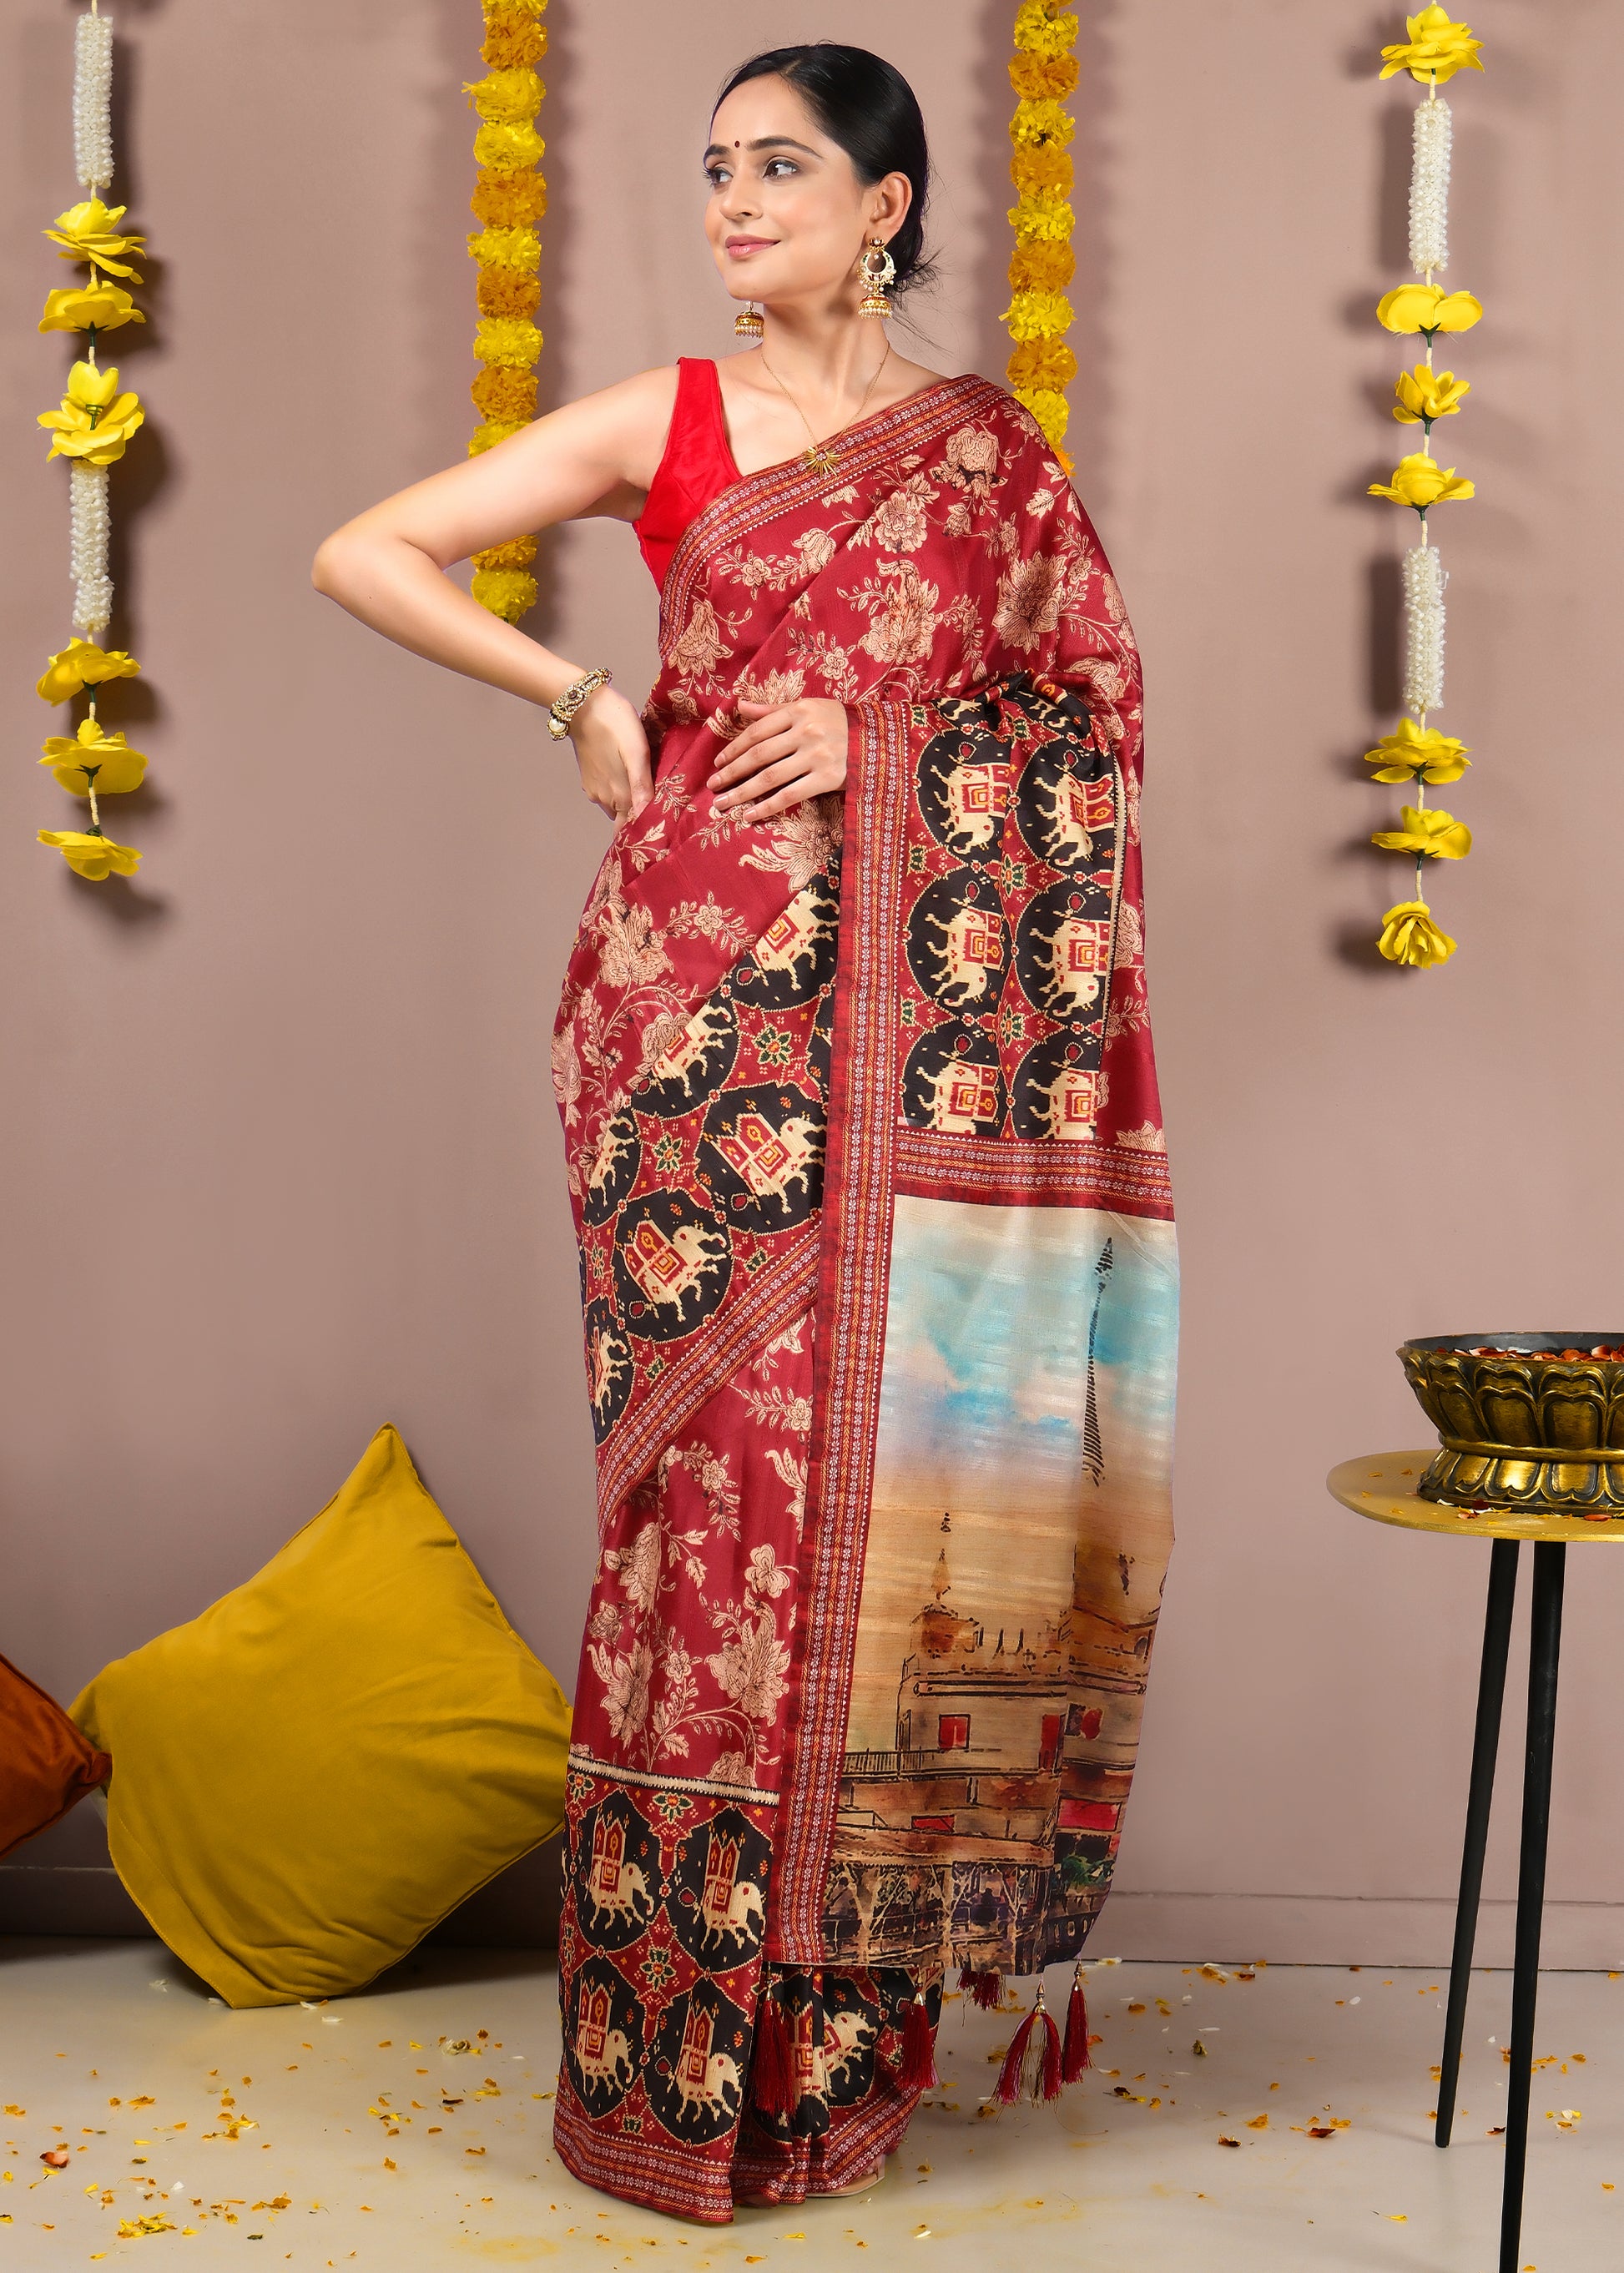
(879,1293)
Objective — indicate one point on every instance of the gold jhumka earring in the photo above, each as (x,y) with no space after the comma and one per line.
(878,270)
(750,324)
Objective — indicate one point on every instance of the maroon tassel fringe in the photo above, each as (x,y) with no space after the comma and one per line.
(986,1989)
(1046,2074)
(1075,2058)
(918,2070)
(771,2075)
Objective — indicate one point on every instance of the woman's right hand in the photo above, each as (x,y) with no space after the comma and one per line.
(612,751)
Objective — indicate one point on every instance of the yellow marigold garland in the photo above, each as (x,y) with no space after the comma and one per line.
(90,430)
(509,197)
(1042,74)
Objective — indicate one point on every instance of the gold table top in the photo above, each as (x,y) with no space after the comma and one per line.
(1382,1485)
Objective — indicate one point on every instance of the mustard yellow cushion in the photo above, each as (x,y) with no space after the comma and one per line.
(311,1774)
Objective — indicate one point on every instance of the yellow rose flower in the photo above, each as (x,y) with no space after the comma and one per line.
(87,232)
(83,663)
(90,855)
(1419,481)
(1428,830)
(1427,308)
(1424,394)
(1435,49)
(78,758)
(76,307)
(95,421)
(1412,750)
(1408,935)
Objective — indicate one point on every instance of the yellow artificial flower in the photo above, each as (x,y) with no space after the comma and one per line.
(503,147)
(95,421)
(1037,315)
(1424,393)
(1428,830)
(506,592)
(1045,214)
(506,248)
(1417,480)
(108,759)
(1035,76)
(1039,32)
(83,663)
(1408,935)
(512,35)
(505,98)
(506,338)
(76,307)
(492,432)
(89,854)
(1047,407)
(86,231)
(1412,750)
(1044,124)
(1435,49)
(1427,308)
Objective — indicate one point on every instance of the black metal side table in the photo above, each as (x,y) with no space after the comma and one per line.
(1382,1486)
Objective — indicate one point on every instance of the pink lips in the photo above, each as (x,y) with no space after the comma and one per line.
(744,244)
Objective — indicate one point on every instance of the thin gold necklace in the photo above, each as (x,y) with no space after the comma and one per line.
(820,459)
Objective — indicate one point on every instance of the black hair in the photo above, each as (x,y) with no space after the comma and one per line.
(863,103)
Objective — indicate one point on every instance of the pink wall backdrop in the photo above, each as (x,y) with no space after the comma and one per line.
(278,1153)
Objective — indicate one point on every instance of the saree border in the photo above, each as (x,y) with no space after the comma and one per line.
(781,1292)
(759,497)
(1016,1172)
(853,1289)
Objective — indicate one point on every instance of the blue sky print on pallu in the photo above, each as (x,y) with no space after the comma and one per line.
(982,1409)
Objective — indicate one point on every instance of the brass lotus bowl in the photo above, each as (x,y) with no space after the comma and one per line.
(1533,1431)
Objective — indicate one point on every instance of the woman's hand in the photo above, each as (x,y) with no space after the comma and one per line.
(612,751)
(782,756)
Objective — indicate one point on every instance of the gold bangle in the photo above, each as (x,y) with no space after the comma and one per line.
(562,712)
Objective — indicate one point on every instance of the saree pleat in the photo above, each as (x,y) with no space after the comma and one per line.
(880,1296)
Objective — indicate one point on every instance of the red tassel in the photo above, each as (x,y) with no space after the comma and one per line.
(986,1989)
(966,1974)
(1046,2074)
(918,2070)
(772,2076)
(1075,2059)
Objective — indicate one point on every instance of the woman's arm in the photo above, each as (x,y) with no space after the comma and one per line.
(387,566)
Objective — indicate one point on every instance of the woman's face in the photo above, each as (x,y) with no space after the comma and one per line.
(787,217)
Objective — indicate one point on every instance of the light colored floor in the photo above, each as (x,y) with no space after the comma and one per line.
(321,2136)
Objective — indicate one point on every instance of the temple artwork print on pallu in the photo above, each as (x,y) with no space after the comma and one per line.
(880,1294)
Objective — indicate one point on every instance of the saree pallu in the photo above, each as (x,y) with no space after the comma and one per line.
(880,1292)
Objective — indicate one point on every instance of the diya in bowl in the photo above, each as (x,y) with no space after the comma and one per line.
(1534,1422)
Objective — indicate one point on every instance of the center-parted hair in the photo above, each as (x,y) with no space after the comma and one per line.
(864,104)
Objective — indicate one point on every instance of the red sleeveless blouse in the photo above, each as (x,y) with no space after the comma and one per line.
(696,466)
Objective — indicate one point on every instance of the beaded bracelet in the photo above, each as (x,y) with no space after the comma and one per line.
(562,712)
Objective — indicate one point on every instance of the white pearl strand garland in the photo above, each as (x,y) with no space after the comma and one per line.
(93,99)
(89,520)
(1425,574)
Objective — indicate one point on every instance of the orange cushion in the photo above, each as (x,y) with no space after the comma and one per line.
(46,1765)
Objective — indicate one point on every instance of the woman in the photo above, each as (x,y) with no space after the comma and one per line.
(869,1178)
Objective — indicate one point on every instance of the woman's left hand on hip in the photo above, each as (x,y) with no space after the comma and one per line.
(786,754)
